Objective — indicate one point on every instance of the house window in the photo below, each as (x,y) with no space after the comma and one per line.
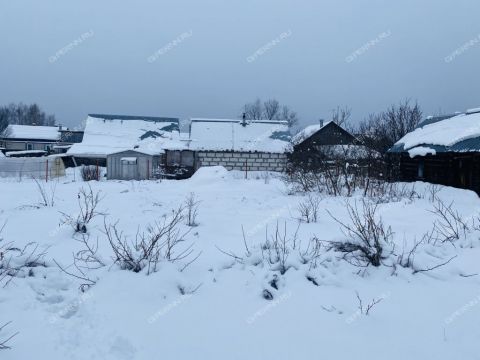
(48,147)
(129,160)
(421,169)
(29,146)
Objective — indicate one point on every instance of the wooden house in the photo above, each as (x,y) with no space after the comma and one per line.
(442,150)
(317,144)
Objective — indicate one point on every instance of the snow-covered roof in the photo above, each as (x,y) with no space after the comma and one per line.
(106,135)
(460,133)
(33,132)
(308,131)
(237,135)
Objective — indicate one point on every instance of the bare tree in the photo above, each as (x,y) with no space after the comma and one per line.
(254,110)
(21,114)
(381,131)
(270,110)
(341,116)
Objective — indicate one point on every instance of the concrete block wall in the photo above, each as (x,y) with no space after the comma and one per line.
(238,160)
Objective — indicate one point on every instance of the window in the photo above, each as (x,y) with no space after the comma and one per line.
(421,169)
(128,160)
(29,146)
(173,158)
(188,158)
(48,147)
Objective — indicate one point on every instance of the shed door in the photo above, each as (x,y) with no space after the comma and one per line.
(129,168)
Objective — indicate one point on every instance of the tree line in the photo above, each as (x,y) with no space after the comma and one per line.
(23,114)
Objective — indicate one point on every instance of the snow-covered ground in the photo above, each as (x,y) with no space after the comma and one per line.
(222,313)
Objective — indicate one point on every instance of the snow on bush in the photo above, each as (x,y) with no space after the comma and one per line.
(368,241)
(18,262)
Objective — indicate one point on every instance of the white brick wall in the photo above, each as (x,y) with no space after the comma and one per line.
(237,160)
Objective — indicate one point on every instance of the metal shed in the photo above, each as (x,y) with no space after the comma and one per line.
(131,165)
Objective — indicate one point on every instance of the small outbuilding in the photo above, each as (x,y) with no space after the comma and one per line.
(132,165)
(442,150)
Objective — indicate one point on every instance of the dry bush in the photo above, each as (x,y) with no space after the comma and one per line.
(309,208)
(449,226)
(381,191)
(368,239)
(4,341)
(18,262)
(85,260)
(277,248)
(365,310)
(90,172)
(47,193)
(191,208)
(160,242)
(88,201)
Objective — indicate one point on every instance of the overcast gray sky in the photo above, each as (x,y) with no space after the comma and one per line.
(191,58)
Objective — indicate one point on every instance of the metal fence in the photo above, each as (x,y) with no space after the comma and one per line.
(39,168)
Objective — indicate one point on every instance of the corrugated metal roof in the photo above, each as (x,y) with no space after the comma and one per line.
(434,119)
(471,144)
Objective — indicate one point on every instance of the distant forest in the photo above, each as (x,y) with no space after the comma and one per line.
(22,114)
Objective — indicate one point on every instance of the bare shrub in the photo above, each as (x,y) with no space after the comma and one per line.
(47,193)
(191,207)
(449,225)
(381,191)
(365,310)
(161,241)
(277,248)
(89,173)
(85,260)
(18,262)
(4,342)
(308,209)
(368,238)
(88,201)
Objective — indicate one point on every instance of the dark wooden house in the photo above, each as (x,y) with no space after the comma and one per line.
(441,150)
(317,144)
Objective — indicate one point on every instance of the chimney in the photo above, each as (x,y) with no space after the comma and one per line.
(59,127)
(244,120)
(321,123)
